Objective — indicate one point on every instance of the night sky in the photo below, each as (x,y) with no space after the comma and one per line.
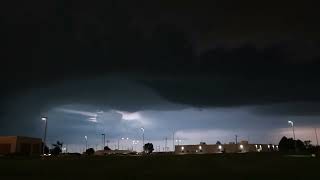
(206,71)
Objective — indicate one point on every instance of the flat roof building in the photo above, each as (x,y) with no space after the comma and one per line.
(242,147)
(20,145)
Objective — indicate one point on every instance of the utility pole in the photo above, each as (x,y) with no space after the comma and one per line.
(173,148)
(166,141)
(108,143)
(45,133)
(104,140)
(315,130)
(86,137)
(236,139)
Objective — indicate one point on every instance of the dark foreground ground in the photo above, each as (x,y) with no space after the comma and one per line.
(197,167)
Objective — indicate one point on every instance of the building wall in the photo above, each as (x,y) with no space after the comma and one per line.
(29,145)
(8,144)
(19,144)
(226,148)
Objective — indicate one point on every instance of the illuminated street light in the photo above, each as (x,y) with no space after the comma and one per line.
(178,141)
(292,125)
(200,148)
(241,146)
(182,148)
(86,137)
(142,129)
(45,133)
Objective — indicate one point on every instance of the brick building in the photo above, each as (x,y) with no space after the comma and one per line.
(20,144)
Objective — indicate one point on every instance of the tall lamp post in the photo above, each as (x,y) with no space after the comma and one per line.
(315,131)
(292,125)
(104,140)
(142,129)
(45,133)
(86,137)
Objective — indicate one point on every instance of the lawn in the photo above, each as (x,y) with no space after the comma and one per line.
(229,166)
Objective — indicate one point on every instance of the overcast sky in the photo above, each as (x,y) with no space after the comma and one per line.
(204,71)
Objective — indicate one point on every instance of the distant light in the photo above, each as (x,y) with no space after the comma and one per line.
(182,148)
(241,146)
(44,118)
(273,146)
(220,147)
(256,146)
(122,138)
(200,147)
(260,147)
(86,137)
(127,138)
(268,146)
(290,122)
(142,129)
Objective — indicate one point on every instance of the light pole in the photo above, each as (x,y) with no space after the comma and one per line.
(315,131)
(45,133)
(86,137)
(236,138)
(178,141)
(173,147)
(119,142)
(292,125)
(104,140)
(142,129)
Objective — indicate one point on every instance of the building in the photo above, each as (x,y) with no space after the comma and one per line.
(242,147)
(20,145)
(110,152)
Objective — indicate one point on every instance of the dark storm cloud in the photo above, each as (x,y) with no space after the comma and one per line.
(302,109)
(170,56)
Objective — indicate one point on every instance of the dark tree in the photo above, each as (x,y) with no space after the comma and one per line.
(57,148)
(218,143)
(300,145)
(90,151)
(290,145)
(148,148)
(106,148)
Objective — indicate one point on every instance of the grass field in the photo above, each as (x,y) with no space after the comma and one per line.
(229,166)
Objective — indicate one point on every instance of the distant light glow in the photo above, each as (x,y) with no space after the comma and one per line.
(220,147)
(44,118)
(182,148)
(241,146)
(290,122)
(200,147)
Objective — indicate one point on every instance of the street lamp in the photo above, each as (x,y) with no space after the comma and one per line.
(104,140)
(315,130)
(178,141)
(86,137)
(292,125)
(45,133)
(142,129)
